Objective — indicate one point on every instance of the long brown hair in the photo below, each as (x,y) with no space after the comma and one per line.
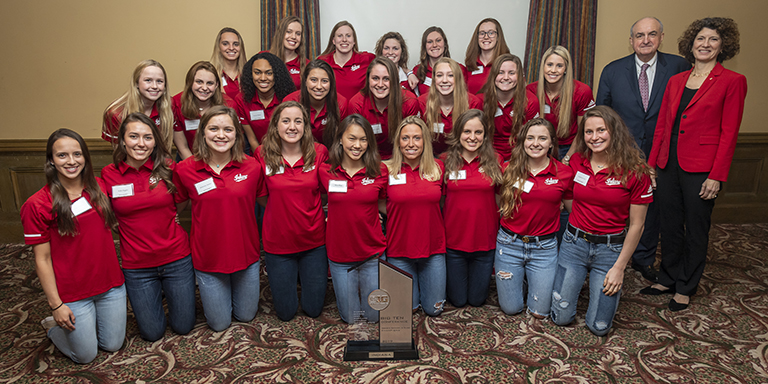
(331,100)
(565,105)
(460,97)
(371,158)
(189,107)
(395,98)
(277,48)
(488,160)
(519,99)
(428,168)
(200,147)
(272,145)
(421,74)
(473,49)
(62,206)
(160,155)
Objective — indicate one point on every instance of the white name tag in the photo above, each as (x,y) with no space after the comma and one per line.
(205,186)
(581,178)
(547,109)
(498,112)
(427,81)
(312,168)
(192,125)
(438,127)
(339,186)
(459,175)
(478,71)
(397,180)
(79,206)
(124,190)
(257,115)
(526,185)
(376,129)
(223,81)
(280,170)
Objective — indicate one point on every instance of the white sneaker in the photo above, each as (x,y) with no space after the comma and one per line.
(48,323)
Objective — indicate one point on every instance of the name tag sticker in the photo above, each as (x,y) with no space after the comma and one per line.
(280,170)
(438,127)
(547,109)
(427,81)
(79,206)
(257,115)
(526,185)
(223,81)
(459,175)
(205,186)
(581,178)
(192,125)
(498,112)
(124,190)
(376,129)
(338,186)
(397,180)
(478,71)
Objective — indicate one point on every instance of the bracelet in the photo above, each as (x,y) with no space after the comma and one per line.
(62,303)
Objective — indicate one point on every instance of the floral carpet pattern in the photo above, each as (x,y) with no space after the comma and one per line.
(721,338)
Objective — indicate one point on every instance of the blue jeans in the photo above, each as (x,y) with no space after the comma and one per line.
(468,276)
(99,323)
(564,213)
(353,287)
(516,260)
(428,281)
(577,258)
(229,294)
(146,286)
(284,272)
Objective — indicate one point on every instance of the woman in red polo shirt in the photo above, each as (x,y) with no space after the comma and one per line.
(472,173)
(355,182)
(201,91)
(533,187)
(506,102)
(318,96)
(611,185)
(68,223)
(446,100)
(149,96)
(153,246)
(434,46)
(288,45)
(223,183)
(486,44)
(415,230)
(382,107)
(229,58)
(392,46)
(347,62)
(265,83)
(294,223)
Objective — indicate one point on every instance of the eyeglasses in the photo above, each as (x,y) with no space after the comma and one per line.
(483,34)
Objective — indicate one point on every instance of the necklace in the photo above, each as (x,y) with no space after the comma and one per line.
(217,164)
(700,74)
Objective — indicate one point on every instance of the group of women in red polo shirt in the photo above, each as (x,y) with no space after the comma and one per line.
(437,152)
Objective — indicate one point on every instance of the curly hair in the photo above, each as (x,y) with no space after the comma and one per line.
(488,160)
(724,26)
(283,82)
(473,49)
(421,73)
(160,155)
(379,51)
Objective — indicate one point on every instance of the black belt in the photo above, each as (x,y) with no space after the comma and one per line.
(528,239)
(597,239)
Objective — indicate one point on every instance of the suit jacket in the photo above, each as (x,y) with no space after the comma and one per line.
(709,125)
(619,90)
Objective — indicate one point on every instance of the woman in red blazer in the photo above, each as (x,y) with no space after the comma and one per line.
(692,148)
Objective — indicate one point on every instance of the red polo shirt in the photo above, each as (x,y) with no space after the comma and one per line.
(582,102)
(318,118)
(294,69)
(470,212)
(601,203)
(256,114)
(354,230)
(225,235)
(380,120)
(231,86)
(85,264)
(414,223)
(476,79)
(113,125)
(351,77)
(149,234)
(440,132)
(503,121)
(189,126)
(294,220)
(539,211)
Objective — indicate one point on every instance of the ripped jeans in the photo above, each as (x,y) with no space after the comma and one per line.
(428,281)
(577,258)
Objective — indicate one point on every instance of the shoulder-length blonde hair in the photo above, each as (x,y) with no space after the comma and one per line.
(277,49)
(217,58)
(330,47)
(460,97)
(519,99)
(565,105)
(200,147)
(488,160)
(473,49)
(189,107)
(428,168)
(272,145)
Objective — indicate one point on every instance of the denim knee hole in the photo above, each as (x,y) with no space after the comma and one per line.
(503,275)
(558,299)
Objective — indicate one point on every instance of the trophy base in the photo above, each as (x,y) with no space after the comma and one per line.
(367,350)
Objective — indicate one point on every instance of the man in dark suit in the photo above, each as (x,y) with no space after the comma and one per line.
(634,86)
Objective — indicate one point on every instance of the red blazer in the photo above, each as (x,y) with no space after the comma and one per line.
(709,125)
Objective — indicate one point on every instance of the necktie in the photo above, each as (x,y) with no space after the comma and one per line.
(644,86)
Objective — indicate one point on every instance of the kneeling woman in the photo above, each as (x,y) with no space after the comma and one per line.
(611,185)
(356,183)
(153,246)
(415,231)
(223,182)
(68,224)
(534,186)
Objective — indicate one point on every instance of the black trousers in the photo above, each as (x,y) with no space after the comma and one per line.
(685,222)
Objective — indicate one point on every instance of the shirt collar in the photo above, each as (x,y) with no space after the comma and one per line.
(650,62)
(123,167)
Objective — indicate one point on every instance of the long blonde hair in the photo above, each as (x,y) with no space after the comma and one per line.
(565,105)
(488,160)
(216,57)
(428,168)
(460,98)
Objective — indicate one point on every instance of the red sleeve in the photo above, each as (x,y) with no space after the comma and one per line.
(640,190)
(733,111)
(37,219)
(181,194)
(261,190)
(410,104)
(293,96)
(242,110)
(475,102)
(355,104)
(385,177)
(343,106)
(531,106)
(111,126)
(567,178)
(582,99)
(464,72)
(321,154)
(423,106)
(178,117)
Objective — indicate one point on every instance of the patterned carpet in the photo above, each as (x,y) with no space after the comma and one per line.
(722,338)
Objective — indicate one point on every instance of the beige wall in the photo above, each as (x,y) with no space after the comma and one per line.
(65,61)
(614,17)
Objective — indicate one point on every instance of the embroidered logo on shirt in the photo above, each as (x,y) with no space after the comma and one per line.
(324,121)
(481,170)
(366,181)
(551,181)
(153,180)
(295,71)
(157,121)
(240,177)
(355,67)
(612,181)
(511,113)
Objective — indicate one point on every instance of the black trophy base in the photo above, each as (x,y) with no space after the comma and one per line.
(366,350)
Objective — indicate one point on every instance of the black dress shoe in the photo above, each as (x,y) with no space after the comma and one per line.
(647,271)
(674,306)
(650,290)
